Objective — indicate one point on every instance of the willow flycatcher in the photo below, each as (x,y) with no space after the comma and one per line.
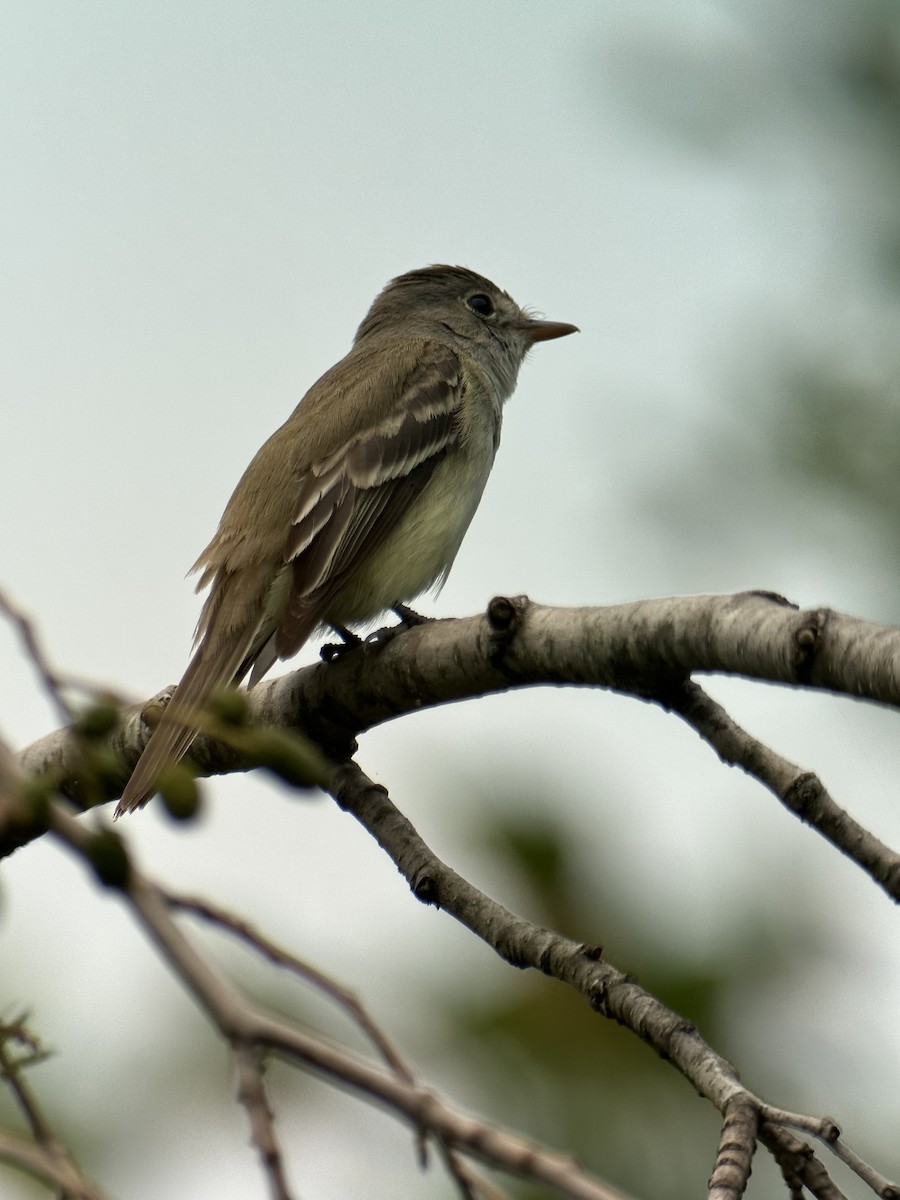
(360,500)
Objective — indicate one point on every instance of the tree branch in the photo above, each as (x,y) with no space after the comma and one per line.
(45,1157)
(646,649)
(801,792)
(607,990)
(737,1144)
(247,1027)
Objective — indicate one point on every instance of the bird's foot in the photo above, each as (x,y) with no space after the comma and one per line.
(380,637)
(409,619)
(408,616)
(334,650)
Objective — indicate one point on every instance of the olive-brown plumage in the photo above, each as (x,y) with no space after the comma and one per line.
(361,499)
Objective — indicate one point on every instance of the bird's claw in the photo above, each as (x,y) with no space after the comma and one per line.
(408,616)
(332,651)
(409,619)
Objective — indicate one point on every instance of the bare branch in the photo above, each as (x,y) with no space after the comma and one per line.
(798,1165)
(472,1185)
(244,1025)
(281,957)
(737,1144)
(800,791)
(252,1095)
(827,1130)
(37,1161)
(45,1157)
(646,649)
(610,993)
(55,684)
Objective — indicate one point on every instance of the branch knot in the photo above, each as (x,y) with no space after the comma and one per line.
(424,886)
(808,638)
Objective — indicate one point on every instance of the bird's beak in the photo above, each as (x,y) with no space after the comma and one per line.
(544,331)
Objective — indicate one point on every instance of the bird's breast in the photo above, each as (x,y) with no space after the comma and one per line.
(419,553)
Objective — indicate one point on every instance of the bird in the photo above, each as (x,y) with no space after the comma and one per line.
(359,502)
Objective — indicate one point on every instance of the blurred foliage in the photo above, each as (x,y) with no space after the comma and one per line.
(844,433)
(817,410)
(842,428)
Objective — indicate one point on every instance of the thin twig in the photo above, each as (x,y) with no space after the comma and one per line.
(251,1093)
(13,1073)
(800,791)
(244,1024)
(46,1156)
(54,683)
(472,1184)
(880,1184)
(58,1172)
(827,1131)
(799,1166)
(283,958)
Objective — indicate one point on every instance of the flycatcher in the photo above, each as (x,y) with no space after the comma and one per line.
(360,501)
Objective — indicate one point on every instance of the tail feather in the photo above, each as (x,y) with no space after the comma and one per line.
(241,628)
(212,666)
(265,657)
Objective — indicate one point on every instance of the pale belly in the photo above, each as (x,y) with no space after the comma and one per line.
(420,552)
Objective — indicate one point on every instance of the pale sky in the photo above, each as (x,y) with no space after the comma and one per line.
(199,201)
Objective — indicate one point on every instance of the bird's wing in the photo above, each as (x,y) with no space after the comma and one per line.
(347,503)
(351,501)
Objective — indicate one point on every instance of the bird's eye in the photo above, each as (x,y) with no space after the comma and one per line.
(481,304)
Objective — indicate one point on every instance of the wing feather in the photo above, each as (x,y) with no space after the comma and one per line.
(352,492)
(377,476)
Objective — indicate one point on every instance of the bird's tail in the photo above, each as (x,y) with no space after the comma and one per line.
(238,633)
(211,667)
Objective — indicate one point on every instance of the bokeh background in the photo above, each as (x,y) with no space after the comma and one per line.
(199,202)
